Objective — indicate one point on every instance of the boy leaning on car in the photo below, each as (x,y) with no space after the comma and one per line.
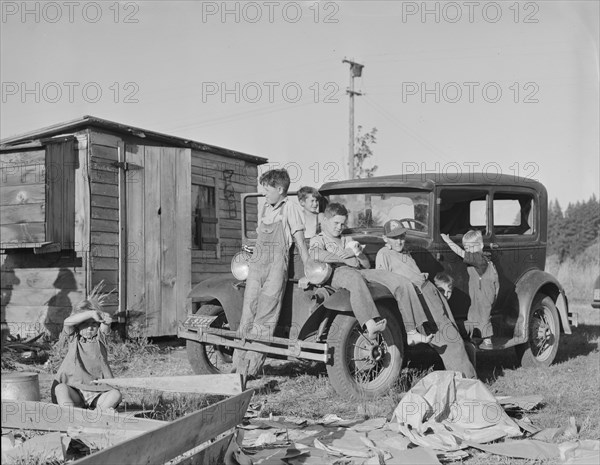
(280,224)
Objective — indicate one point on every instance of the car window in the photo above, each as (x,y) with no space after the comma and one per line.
(462,210)
(514,214)
(373,210)
(253,206)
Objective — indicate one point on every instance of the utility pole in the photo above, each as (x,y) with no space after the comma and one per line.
(355,71)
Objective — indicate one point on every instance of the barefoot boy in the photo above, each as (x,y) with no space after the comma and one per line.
(329,246)
(483,283)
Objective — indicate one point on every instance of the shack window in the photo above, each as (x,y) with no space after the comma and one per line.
(204,218)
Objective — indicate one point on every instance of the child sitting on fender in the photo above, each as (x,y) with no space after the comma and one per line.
(329,246)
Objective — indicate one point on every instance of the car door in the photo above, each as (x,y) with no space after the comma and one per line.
(460,209)
(517,243)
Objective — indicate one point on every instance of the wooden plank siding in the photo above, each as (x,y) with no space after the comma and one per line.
(104,212)
(22,194)
(61,163)
(23,174)
(243,180)
(159,236)
(46,175)
(168,246)
(136,259)
(39,291)
(183,222)
(151,241)
(68,190)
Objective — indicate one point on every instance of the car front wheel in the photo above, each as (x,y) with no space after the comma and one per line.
(362,369)
(544,334)
(209,359)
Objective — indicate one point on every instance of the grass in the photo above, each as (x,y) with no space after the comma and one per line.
(570,387)
(577,275)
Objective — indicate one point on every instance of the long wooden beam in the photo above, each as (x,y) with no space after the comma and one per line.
(227,385)
(167,442)
(43,416)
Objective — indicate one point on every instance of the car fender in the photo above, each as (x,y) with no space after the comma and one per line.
(528,286)
(227,291)
(339,302)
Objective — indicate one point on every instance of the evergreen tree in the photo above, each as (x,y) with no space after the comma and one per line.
(555,225)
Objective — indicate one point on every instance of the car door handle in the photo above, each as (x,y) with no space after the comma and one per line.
(493,245)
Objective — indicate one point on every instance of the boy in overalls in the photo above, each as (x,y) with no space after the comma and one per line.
(281,223)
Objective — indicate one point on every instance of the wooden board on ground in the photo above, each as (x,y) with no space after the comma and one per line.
(213,455)
(167,442)
(226,385)
(43,416)
(47,448)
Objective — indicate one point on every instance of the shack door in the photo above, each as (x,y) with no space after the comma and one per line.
(158,191)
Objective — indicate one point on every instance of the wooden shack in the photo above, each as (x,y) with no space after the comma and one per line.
(91,200)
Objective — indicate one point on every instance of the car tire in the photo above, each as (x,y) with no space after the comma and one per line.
(544,334)
(360,370)
(208,359)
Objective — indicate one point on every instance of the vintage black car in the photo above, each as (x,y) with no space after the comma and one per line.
(318,324)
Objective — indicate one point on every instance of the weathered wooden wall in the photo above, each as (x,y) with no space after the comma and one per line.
(37,194)
(159,236)
(104,214)
(38,291)
(161,264)
(229,187)
(38,206)
(23,196)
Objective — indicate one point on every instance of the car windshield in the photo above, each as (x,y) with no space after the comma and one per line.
(372,210)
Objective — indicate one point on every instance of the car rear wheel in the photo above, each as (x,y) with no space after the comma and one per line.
(207,359)
(362,369)
(544,334)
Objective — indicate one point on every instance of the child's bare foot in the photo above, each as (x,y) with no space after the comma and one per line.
(414,337)
(374,327)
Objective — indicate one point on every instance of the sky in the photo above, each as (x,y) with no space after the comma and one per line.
(454,87)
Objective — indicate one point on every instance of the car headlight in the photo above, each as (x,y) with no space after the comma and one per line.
(240,265)
(317,272)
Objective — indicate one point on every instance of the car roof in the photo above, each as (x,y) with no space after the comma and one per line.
(428,181)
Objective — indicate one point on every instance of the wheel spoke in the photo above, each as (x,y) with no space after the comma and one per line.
(542,332)
(363,367)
